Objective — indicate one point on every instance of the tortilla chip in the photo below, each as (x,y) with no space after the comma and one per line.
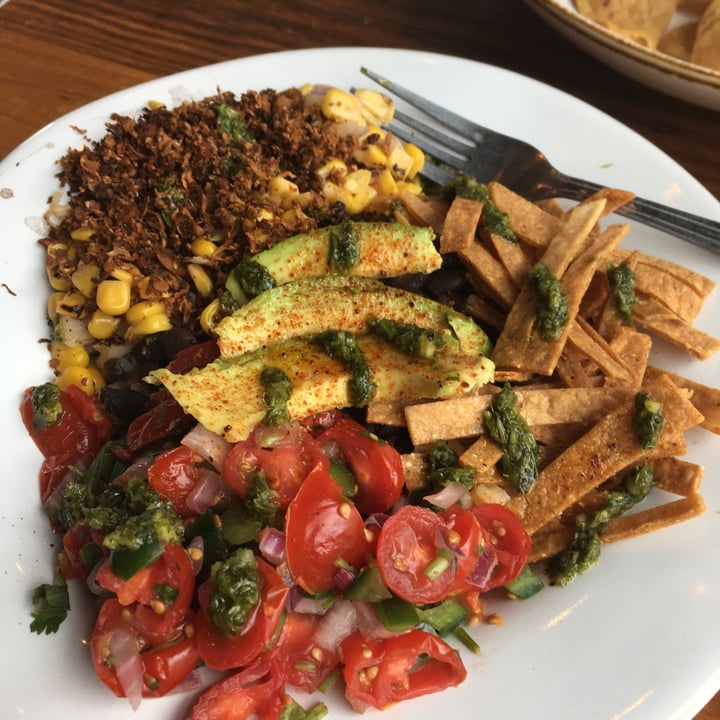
(706,50)
(489,271)
(679,41)
(643,21)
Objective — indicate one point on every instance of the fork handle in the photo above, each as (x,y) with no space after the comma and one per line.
(700,231)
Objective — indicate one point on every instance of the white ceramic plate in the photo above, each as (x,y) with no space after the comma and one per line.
(638,637)
(671,75)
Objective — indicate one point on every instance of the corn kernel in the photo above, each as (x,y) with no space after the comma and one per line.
(150,325)
(52,304)
(202,247)
(156,104)
(84,278)
(113,296)
(82,234)
(386,183)
(210,316)
(371,156)
(399,163)
(376,107)
(264,214)
(280,186)
(142,310)
(102,326)
(70,304)
(357,180)
(202,281)
(418,159)
(342,105)
(373,131)
(360,200)
(305,88)
(55,248)
(66,356)
(58,282)
(88,379)
(122,274)
(144,287)
(412,187)
(330,167)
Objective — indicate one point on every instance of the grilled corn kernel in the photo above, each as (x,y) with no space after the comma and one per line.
(342,105)
(150,325)
(58,282)
(66,356)
(410,186)
(70,304)
(52,304)
(373,131)
(334,166)
(210,316)
(399,163)
(386,183)
(144,309)
(145,287)
(371,156)
(202,281)
(88,379)
(113,296)
(357,180)
(202,247)
(418,159)
(84,278)
(101,325)
(82,234)
(376,107)
(264,214)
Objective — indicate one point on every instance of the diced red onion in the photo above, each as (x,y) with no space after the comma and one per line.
(451,494)
(343,577)
(139,468)
(206,492)
(339,622)
(483,570)
(309,606)
(208,445)
(368,622)
(129,668)
(94,586)
(272,545)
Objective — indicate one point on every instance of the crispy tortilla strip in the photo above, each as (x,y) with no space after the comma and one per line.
(485,312)
(706,50)
(483,456)
(700,284)
(706,399)
(460,225)
(484,267)
(556,537)
(668,290)
(657,319)
(575,370)
(584,337)
(519,345)
(414,470)
(614,199)
(390,412)
(643,21)
(462,417)
(529,222)
(602,452)
(634,348)
(424,211)
(512,257)
(655,518)
(677,476)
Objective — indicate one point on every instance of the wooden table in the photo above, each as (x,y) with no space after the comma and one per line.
(56,55)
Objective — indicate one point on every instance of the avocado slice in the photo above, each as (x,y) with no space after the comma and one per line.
(227,395)
(384,250)
(307,306)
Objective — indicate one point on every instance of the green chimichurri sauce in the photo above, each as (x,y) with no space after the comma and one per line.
(236,590)
(277,389)
(248,279)
(551,306)
(46,405)
(444,467)
(344,248)
(342,346)
(229,120)
(493,219)
(647,420)
(622,283)
(584,549)
(521,457)
(406,337)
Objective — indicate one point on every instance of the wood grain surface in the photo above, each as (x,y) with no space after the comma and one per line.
(56,55)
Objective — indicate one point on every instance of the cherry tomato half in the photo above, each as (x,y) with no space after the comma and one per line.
(403,666)
(234,651)
(321,529)
(376,465)
(509,538)
(411,556)
(157,669)
(174,474)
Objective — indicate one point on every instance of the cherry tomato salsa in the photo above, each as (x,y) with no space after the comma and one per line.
(293,559)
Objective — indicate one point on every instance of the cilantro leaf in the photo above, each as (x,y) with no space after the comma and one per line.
(54,604)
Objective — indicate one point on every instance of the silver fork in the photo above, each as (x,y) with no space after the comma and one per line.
(489,155)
